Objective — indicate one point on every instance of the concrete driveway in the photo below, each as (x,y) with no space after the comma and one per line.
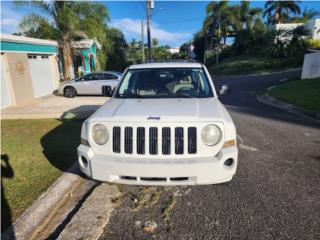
(53,106)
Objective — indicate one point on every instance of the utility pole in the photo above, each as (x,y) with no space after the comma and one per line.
(148,28)
(142,43)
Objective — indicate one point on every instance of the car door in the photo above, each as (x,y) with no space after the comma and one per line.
(111,80)
(88,84)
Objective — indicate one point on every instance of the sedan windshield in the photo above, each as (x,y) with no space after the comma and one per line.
(165,83)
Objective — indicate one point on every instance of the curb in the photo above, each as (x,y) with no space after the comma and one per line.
(28,222)
(271,101)
(258,74)
(93,216)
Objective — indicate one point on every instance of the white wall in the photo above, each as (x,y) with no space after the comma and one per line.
(314,26)
(287,26)
(311,65)
(5,90)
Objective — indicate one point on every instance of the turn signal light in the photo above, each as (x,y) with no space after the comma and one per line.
(230,143)
(84,142)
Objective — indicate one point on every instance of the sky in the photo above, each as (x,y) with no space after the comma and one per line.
(173,22)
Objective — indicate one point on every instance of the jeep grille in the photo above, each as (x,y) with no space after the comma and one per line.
(148,139)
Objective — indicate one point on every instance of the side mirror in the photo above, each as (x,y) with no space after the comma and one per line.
(107,91)
(225,89)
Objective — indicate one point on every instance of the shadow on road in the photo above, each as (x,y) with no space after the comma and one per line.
(6,216)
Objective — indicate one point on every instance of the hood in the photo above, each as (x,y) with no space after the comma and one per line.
(69,81)
(164,110)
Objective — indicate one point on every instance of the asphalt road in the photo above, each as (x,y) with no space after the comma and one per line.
(275,193)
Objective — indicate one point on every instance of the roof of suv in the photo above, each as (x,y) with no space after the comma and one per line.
(167,65)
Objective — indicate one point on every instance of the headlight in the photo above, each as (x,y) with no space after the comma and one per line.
(211,135)
(100,134)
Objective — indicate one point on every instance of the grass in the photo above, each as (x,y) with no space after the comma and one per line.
(303,93)
(34,154)
(242,65)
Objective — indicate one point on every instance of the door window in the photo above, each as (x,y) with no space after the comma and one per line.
(93,77)
(108,76)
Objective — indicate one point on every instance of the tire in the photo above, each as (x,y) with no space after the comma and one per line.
(69,92)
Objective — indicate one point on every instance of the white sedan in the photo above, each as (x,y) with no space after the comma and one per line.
(90,84)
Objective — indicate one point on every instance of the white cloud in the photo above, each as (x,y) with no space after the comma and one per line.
(132,29)
(9,20)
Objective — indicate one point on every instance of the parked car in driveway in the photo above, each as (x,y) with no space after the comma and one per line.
(164,125)
(90,84)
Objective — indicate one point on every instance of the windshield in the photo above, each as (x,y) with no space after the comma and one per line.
(165,83)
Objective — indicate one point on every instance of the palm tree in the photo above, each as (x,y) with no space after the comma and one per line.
(279,11)
(248,14)
(217,23)
(68,19)
(307,15)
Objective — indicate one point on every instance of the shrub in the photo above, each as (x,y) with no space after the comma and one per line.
(313,43)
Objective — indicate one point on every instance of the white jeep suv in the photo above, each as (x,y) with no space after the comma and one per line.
(164,125)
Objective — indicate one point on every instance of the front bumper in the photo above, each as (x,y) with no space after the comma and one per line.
(153,171)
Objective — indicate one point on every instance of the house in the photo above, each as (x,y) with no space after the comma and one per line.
(85,56)
(313,25)
(29,69)
(174,50)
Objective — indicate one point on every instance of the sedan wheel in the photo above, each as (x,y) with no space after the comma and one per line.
(70,92)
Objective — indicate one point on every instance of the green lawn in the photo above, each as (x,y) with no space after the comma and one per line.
(242,65)
(303,93)
(34,154)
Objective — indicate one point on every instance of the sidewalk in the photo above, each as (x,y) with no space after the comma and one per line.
(55,107)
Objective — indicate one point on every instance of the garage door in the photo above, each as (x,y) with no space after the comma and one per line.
(41,74)
(5,93)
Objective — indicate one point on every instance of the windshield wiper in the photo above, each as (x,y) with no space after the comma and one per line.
(133,95)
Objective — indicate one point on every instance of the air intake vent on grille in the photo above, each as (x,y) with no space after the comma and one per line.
(166,140)
(179,140)
(128,140)
(192,140)
(116,139)
(149,141)
(141,140)
(153,140)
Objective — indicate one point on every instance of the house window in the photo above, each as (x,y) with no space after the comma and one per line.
(32,56)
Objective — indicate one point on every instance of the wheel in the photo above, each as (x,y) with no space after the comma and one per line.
(70,92)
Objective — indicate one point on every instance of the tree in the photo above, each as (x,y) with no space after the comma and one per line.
(199,46)
(155,42)
(279,11)
(248,14)
(307,15)
(115,50)
(184,50)
(68,18)
(92,21)
(36,26)
(134,53)
(217,22)
(288,43)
